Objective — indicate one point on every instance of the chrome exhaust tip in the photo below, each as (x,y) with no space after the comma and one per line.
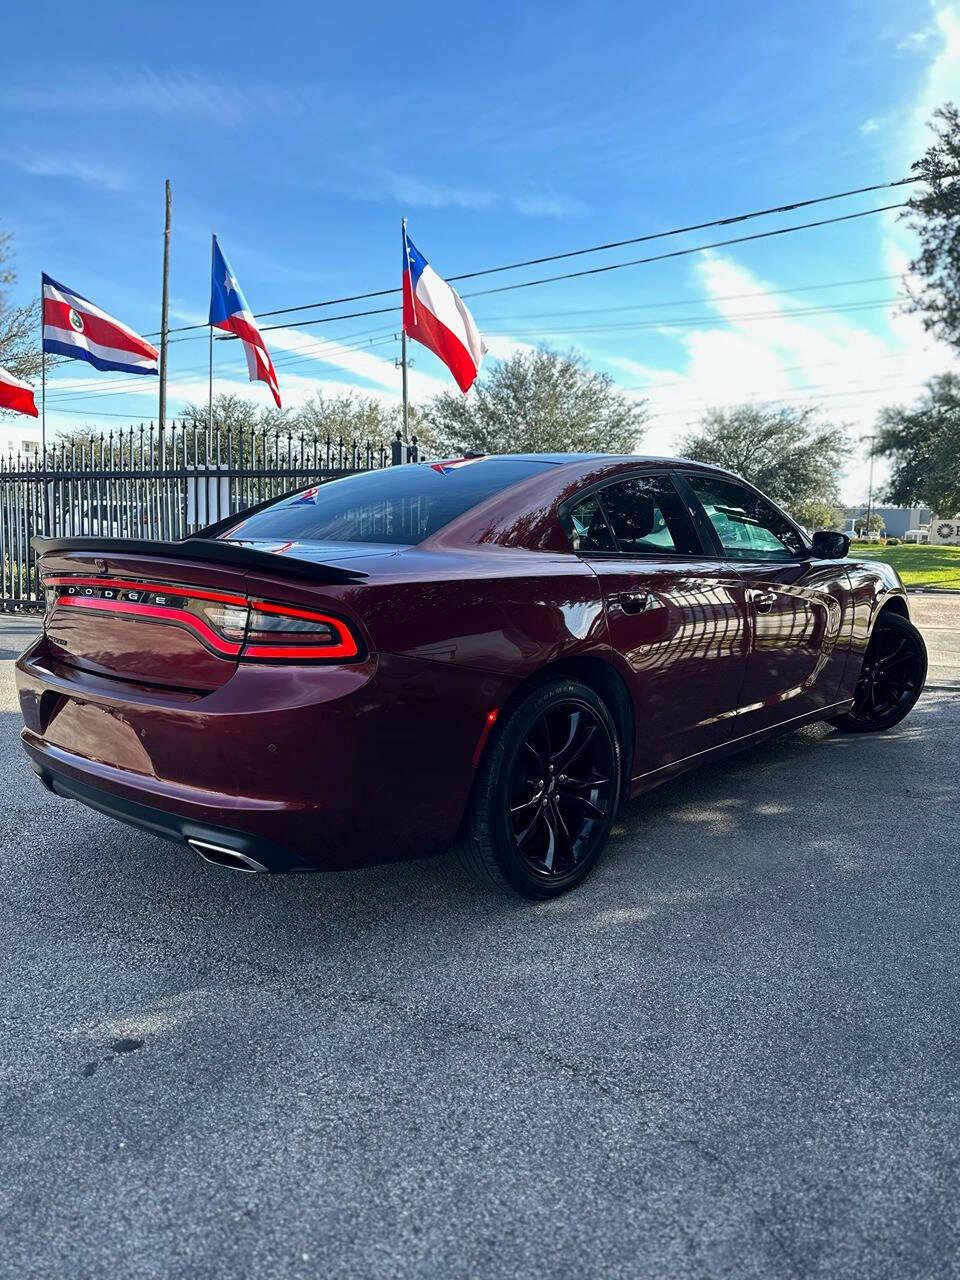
(221,856)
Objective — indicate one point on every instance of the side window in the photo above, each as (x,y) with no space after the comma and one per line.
(640,516)
(590,529)
(748,527)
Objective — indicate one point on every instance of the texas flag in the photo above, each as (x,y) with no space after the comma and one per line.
(16,394)
(229,310)
(74,327)
(435,316)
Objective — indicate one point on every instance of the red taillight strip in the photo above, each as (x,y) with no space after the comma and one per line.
(345,648)
(193,593)
(288,651)
(179,616)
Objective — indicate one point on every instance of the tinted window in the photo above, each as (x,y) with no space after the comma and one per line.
(748,527)
(398,504)
(590,529)
(640,516)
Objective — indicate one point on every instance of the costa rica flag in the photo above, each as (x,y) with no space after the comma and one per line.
(434,315)
(73,326)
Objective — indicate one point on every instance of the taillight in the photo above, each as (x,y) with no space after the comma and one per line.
(281,632)
(230,625)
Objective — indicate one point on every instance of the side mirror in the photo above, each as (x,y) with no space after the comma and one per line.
(830,545)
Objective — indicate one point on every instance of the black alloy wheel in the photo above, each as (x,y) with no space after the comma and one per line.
(547,791)
(891,678)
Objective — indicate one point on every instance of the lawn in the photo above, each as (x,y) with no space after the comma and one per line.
(918,566)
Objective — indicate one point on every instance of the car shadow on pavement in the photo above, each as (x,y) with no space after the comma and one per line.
(755,823)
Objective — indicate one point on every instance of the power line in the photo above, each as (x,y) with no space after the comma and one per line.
(575,253)
(698,322)
(694,406)
(682,253)
(314,352)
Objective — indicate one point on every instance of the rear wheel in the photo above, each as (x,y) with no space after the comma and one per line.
(891,679)
(546,792)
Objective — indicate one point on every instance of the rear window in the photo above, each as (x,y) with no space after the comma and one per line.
(396,505)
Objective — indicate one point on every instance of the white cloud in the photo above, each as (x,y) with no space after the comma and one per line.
(50,165)
(157,92)
(870,126)
(827,360)
(942,82)
(412,192)
(917,39)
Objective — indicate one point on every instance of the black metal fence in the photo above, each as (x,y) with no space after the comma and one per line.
(147,483)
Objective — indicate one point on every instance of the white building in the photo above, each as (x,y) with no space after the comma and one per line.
(18,434)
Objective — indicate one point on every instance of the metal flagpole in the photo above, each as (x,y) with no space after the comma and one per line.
(213,242)
(43,422)
(403,338)
(164,309)
(43,383)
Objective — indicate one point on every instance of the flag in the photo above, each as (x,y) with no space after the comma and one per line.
(16,394)
(74,327)
(434,315)
(229,310)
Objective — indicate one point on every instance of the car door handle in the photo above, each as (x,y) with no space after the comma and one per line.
(764,601)
(633,601)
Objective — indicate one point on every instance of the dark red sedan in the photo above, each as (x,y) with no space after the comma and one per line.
(504,646)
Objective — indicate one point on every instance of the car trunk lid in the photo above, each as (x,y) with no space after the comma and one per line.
(166,614)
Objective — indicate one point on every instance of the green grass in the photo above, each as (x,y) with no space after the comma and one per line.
(918,566)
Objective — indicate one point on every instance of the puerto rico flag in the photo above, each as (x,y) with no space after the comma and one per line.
(74,327)
(16,394)
(435,316)
(229,310)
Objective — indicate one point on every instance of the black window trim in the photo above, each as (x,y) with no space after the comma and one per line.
(566,521)
(705,524)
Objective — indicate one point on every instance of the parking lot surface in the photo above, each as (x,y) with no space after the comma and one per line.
(731,1053)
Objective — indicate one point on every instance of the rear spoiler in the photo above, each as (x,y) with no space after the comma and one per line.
(201,551)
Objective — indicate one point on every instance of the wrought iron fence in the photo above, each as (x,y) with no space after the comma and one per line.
(147,483)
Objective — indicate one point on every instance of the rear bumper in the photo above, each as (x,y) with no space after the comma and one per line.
(163,822)
(320,768)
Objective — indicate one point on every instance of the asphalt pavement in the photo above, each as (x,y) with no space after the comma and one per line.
(733,1052)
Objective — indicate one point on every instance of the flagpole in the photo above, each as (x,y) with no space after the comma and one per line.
(164,305)
(213,243)
(403,338)
(43,384)
(43,422)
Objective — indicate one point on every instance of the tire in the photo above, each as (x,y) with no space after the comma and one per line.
(546,791)
(891,679)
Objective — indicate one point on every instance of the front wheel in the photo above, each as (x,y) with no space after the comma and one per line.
(546,792)
(891,678)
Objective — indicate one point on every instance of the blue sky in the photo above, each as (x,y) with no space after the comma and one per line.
(302,135)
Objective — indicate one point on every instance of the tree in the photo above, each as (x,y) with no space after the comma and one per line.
(863,526)
(537,402)
(934,214)
(923,445)
(19,348)
(817,513)
(784,450)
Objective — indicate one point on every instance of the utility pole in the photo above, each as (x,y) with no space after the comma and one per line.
(870,440)
(164,306)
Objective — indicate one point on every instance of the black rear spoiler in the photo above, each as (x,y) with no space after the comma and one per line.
(201,551)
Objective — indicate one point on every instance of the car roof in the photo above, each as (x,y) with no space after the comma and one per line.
(570,459)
